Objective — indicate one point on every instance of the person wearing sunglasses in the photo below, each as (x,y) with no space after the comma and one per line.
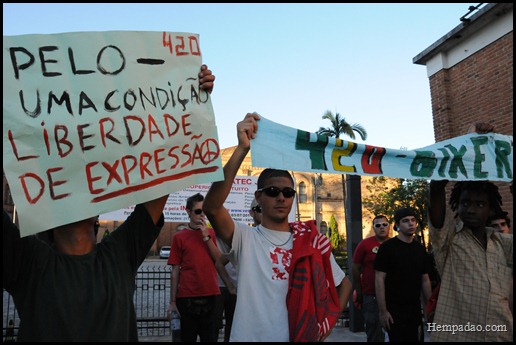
(194,281)
(279,263)
(256,212)
(363,277)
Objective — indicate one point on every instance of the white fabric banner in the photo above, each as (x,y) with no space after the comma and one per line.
(468,157)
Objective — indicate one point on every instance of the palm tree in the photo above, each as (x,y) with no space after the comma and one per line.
(340,126)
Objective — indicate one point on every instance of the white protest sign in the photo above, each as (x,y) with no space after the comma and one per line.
(468,157)
(97,121)
(237,203)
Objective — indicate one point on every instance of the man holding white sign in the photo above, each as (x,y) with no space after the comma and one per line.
(76,289)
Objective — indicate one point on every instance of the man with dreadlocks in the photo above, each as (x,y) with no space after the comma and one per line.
(475,264)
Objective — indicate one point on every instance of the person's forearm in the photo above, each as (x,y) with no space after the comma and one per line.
(213,249)
(174,283)
(223,273)
(344,292)
(437,203)
(426,288)
(155,207)
(219,190)
(380,294)
(213,206)
(355,270)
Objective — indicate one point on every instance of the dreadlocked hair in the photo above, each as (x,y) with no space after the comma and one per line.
(489,188)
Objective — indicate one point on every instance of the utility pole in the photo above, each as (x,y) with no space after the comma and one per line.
(353,204)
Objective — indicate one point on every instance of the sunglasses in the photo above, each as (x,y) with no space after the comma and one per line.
(257,209)
(377,225)
(198,211)
(274,191)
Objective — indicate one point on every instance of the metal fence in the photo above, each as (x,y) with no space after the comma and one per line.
(150,301)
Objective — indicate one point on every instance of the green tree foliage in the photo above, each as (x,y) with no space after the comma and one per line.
(338,244)
(335,238)
(386,195)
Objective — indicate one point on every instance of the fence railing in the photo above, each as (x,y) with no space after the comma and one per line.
(150,301)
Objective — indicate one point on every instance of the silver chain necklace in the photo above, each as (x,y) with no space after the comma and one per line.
(274,244)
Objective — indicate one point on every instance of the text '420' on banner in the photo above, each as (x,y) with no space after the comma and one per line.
(468,157)
(98,121)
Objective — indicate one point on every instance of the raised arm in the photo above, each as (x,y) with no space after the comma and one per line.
(155,207)
(437,203)
(213,205)
(437,197)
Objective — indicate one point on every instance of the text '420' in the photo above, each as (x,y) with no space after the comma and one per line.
(181,45)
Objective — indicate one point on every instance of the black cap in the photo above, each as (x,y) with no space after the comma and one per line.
(402,213)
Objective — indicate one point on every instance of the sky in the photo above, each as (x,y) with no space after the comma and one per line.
(289,62)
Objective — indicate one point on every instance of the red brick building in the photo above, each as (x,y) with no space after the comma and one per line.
(471,76)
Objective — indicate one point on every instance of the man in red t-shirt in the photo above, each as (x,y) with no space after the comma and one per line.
(364,278)
(193,282)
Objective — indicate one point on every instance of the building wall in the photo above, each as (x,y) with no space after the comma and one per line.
(477,89)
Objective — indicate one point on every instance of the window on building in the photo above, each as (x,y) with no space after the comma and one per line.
(303,197)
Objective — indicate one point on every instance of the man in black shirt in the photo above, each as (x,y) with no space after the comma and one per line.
(402,268)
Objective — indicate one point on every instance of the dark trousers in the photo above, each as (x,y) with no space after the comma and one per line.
(225,306)
(406,327)
(373,327)
(198,318)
